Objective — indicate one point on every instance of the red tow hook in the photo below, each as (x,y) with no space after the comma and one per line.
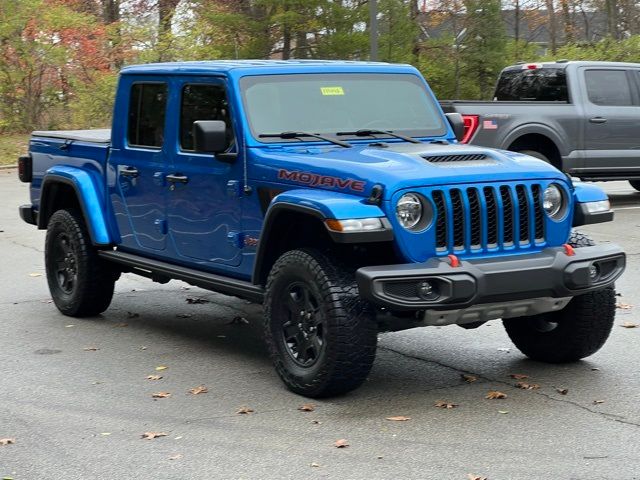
(568,250)
(454,261)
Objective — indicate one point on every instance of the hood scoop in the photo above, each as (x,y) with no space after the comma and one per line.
(463,157)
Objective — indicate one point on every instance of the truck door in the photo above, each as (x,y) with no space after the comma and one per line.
(204,199)
(612,120)
(138,163)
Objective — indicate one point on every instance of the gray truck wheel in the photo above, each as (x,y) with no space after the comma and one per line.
(321,336)
(533,153)
(575,332)
(81,284)
(635,184)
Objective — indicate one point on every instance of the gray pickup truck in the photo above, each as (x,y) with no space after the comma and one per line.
(582,117)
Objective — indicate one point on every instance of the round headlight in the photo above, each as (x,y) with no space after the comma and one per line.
(409,210)
(553,201)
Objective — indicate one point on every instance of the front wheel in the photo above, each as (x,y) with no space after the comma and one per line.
(575,332)
(81,284)
(320,334)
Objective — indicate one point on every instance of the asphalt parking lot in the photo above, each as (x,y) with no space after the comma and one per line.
(74,393)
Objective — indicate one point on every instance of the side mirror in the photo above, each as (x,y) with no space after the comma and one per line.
(210,136)
(457,124)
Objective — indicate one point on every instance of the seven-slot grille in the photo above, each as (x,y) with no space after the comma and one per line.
(476,218)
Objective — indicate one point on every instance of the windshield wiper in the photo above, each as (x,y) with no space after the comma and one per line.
(369,132)
(300,135)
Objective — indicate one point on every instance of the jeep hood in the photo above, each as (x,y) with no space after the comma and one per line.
(395,166)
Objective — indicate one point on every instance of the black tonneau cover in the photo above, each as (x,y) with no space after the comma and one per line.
(102,135)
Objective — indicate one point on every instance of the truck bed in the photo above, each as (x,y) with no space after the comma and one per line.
(101,135)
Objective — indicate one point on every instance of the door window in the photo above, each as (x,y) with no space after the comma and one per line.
(146,114)
(608,87)
(203,102)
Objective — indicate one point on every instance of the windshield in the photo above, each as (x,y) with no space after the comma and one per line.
(331,103)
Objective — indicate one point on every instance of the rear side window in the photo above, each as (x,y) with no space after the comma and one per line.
(608,87)
(202,102)
(541,85)
(146,114)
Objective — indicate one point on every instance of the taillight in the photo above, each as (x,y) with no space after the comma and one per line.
(25,168)
(471,123)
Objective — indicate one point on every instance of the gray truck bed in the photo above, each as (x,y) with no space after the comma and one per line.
(102,135)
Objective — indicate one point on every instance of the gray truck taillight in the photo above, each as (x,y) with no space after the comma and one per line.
(25,168)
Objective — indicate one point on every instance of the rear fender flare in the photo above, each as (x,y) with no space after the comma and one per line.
(535,129)
(87,194)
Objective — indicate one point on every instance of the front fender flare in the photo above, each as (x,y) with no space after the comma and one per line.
(322,205)
(87,193)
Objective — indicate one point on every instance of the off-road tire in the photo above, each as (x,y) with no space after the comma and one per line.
(581,328)
(90,291)
(346,322)
(635,184)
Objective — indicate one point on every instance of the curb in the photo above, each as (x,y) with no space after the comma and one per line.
(8,167)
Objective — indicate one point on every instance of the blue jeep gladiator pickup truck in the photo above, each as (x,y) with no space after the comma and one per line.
(335,194)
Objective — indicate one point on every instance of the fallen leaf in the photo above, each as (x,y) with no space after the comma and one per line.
(143,348)
(504,412)
(7,441)
(379,457)
(468,378)
(106,434)
(69,326)
(161,395)
(527,386)
(314,464)
(244,411)
(443,404)
(154,377)
(595,369)
(399,418)
(122,324)
(629,325)
(562,391)
(518,376)
(132,315)
(178,437)
(198,390)
(196,300)
(471,476)
(494,395)
(91,349)
(160,368)
(238,321)
(307,407)
(504,349)
(342,443)
(35,274)
(597,402)
(175,457)
(152,435)
(624,306)
(316,422)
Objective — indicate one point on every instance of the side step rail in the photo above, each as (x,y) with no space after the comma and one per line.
(155,269)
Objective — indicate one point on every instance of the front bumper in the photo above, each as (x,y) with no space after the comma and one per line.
(551,273)
(28,214)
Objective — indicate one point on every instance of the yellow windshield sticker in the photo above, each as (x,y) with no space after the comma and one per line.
(332,90)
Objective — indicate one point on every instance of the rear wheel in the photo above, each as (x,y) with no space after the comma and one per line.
(81,284)
(635,184)
(575,332)
(533,153)
(321,336)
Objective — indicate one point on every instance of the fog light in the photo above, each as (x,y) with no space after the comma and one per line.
(427,291)
(594,272)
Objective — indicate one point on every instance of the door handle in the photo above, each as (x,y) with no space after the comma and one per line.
(129,172)
(177,178)
(598,120)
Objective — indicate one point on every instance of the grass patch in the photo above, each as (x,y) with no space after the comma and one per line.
(12,146)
